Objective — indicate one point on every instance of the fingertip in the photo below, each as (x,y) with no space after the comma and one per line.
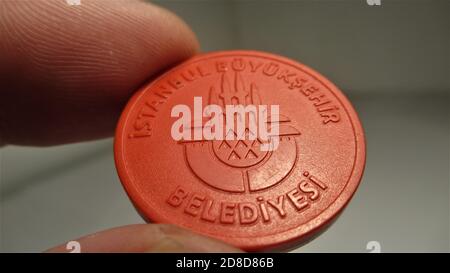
(150,238)
(71,69)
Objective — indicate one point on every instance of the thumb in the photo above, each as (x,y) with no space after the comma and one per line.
(147,238)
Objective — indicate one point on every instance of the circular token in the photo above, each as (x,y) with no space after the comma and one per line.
(247,147)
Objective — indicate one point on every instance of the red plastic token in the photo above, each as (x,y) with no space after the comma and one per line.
(231,188)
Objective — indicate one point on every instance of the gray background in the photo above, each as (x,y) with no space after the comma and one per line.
(391,60)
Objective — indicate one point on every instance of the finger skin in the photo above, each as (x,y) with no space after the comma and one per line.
(147,238)
(66,71)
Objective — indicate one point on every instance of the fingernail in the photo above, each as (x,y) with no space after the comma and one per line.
(166,245)
(180,240)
